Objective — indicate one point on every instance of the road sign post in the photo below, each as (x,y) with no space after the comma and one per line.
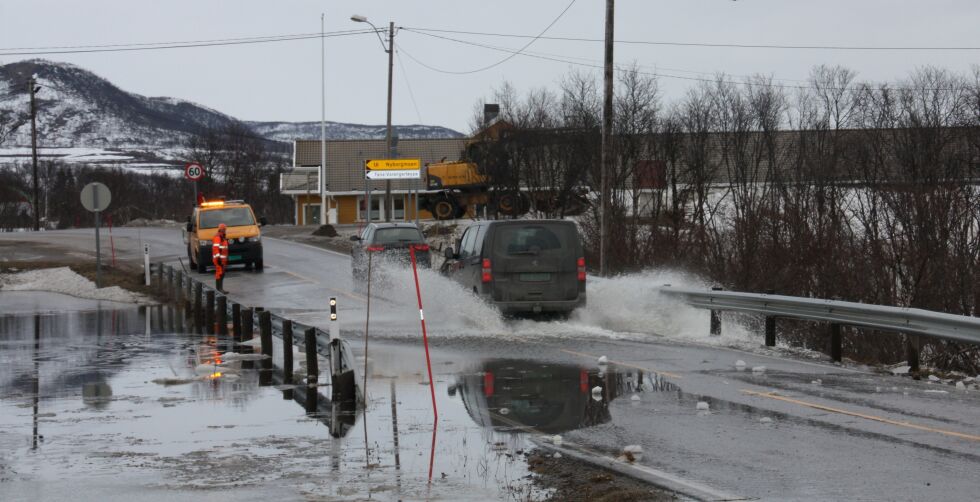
(194,171)
(96,198)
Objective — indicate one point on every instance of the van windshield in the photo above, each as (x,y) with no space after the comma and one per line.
(396,235)
(518,240)
(232,217)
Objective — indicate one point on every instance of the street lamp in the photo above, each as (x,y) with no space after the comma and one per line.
(388,147)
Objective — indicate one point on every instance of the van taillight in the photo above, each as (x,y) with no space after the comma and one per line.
(486,275)
(581,269)
(421,247)
(375,248)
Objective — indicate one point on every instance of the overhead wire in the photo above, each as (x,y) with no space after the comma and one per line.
(567,60)
(39,51)
(514,53)
(708,44)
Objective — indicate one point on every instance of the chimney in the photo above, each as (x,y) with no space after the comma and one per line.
(490,112)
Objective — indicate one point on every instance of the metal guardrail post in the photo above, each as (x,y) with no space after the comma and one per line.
(209,310)
(236,321)
(287,351)
(715,318)
(247,332)
(170,281)
(265,336)
(912,352)
(835,342)
(265,332)
(189,295)
(221,309)
(770,325)
(312,364)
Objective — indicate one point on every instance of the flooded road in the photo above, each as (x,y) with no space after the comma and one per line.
(111,402)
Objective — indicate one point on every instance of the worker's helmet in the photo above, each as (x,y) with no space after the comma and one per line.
(222,227)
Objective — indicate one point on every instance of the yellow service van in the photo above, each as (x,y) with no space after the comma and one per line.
(244,237)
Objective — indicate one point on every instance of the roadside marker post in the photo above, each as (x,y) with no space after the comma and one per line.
(425,336)
(146,264)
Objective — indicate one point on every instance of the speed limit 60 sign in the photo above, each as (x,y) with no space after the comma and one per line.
(194,171)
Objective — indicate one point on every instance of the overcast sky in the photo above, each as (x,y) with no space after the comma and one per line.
(281,81)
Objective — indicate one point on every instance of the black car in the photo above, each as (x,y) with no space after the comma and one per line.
(521,266)
(388,242)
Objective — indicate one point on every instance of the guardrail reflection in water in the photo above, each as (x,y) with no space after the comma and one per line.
(211,310)
(910,321)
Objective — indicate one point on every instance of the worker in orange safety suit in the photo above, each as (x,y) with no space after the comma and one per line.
(219,252)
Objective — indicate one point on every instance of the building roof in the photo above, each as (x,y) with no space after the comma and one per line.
(345,159)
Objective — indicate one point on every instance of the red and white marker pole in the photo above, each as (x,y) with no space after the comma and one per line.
(425,336)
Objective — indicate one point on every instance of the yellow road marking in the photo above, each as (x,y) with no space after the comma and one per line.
(626,365)
(773,395)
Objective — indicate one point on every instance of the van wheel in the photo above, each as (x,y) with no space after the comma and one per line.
(202,267)
(259,265)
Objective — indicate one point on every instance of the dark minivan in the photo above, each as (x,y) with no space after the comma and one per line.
(521,266)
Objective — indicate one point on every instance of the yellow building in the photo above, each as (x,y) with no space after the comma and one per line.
(346,184)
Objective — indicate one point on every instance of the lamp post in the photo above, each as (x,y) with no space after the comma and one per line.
(390,49)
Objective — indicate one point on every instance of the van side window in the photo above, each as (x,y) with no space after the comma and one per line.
(466,245)
(480,236)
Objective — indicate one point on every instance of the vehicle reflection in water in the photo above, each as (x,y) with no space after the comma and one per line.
(514,394)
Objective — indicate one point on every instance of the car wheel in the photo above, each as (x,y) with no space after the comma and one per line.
(259,265)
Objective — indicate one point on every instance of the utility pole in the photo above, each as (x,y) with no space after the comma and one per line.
(33,88)
(388,149)
(323,129)
(606,154)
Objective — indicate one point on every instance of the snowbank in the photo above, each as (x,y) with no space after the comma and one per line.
(64,280)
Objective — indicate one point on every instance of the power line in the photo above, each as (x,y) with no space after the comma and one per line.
(513,53)
(707,44)
(566,60)
(37,51)
(408,84)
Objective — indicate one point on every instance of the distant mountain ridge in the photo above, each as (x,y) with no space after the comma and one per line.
(77,108)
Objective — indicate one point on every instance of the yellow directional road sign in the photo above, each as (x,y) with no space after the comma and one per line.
(381,169)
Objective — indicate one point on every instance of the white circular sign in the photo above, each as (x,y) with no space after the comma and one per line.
(96,197)
(194,171)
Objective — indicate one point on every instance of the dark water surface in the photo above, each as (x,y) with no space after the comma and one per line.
(116,402)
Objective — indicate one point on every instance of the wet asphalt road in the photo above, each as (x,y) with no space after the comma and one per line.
(799,430)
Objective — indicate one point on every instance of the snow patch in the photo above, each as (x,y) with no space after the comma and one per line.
(65,281)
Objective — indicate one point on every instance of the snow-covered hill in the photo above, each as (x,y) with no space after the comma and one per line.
(289,131)
(78,109)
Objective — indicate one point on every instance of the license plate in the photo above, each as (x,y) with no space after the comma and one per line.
(234,257)
(535,277)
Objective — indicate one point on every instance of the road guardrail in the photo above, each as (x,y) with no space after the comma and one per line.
(910,321)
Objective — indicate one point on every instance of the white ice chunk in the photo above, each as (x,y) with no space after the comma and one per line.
(901,370)
(933,378)
(556,455)
(556,440)
(740,364)
(765,420)
(960,385)
(635,397)
(703,406)
(505,411)
(758,369)
(603,360)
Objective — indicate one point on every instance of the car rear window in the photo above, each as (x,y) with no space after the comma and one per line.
(396,235)
(231,216)
(533,238)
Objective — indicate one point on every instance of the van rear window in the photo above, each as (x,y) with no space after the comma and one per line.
(232,217)
(396,235)
(533,239)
